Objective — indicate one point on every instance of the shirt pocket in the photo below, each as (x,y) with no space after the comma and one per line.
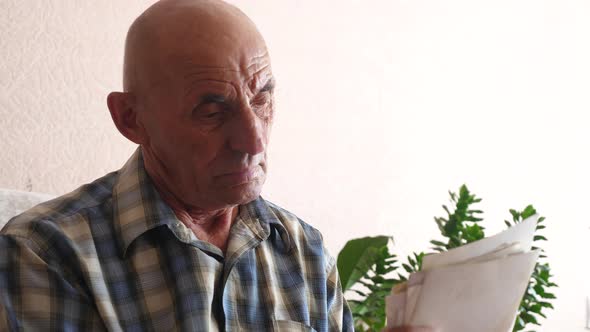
(290,325)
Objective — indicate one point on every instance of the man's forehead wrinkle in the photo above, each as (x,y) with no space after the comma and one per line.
(236,58)
(196,70)
(258,71)
(206,74)
(189,69)
(262,58)
(190,86)
(260,78)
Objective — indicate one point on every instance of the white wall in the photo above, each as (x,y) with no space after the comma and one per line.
(382,107)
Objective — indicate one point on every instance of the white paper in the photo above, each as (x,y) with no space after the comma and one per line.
(476,287)
(480,297)
(412,295)
(522,233)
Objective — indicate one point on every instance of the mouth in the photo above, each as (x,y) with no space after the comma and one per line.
(239,177)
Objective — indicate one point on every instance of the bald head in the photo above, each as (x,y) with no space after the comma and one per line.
(174,30)
(199,100)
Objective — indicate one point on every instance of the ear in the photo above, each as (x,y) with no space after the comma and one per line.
(124,114)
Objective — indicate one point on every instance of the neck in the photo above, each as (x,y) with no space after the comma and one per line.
(211,226)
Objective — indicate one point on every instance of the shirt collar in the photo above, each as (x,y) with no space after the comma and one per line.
(265,223)
(138,207)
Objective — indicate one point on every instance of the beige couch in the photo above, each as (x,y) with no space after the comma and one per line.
(13,202)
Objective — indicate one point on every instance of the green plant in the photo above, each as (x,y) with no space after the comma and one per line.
(365,262)
(461,226)
(368,269)
(536,297)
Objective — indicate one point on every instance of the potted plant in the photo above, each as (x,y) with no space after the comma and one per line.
(368,270)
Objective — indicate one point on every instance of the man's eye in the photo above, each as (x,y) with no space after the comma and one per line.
(209,111)
(211,115)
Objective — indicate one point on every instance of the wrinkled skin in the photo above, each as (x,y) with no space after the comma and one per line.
(199,100)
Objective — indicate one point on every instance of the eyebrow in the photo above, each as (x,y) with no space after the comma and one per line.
(213,98)
(218,98)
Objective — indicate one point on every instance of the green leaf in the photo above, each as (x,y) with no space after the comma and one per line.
(515,215)
(536,308)
(407,268)
(528,211)
(438,243)
(545,304)
(356,258)
(529,318)
(519,324)
(547,295)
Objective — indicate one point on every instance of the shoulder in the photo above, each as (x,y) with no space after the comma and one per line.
(46,220)
(306,239)
(294,224)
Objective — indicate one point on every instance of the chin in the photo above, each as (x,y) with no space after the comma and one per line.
(245,193)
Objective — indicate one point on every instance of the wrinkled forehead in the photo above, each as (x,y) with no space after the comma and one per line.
(231,46)
(252,71)
(245,68)
(237,53)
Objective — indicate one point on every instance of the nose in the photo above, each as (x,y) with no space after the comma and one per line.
(248,132)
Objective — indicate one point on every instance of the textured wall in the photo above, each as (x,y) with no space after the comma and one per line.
(59,60)
(382,107)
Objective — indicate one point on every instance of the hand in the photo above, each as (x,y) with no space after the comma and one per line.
(411,329)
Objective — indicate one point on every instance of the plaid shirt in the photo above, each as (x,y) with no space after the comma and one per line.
(112,255)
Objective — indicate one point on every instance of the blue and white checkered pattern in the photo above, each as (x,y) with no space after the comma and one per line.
(113,256)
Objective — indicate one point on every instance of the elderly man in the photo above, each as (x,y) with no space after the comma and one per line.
(179,238)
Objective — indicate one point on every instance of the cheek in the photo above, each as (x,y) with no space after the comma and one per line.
(176,145)
(205,150)
(174,140)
